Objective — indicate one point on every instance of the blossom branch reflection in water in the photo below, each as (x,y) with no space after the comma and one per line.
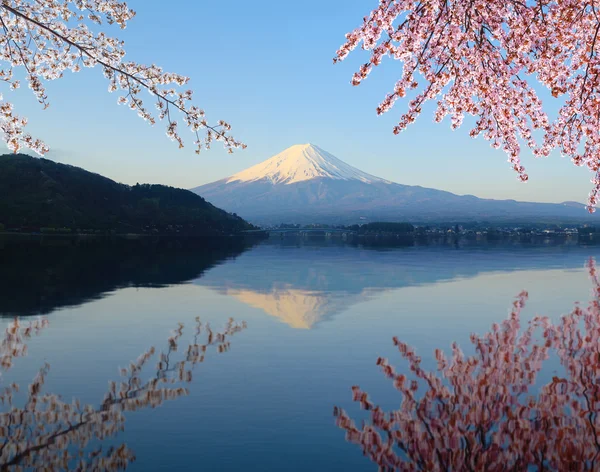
(485,411)
(47,432)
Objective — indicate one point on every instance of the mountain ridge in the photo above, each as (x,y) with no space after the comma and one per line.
(305,184)
(39,193)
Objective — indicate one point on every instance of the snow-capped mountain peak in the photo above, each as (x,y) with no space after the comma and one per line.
(305,184)
(303,162)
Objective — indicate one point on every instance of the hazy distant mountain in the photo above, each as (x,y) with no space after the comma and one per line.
(305,184)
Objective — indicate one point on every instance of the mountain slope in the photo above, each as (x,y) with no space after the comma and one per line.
(300,163)
(305,184)
(40,193)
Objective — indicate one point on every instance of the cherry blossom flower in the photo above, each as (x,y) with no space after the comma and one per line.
(51,434)
(485,411)
(481,57)
(45,38)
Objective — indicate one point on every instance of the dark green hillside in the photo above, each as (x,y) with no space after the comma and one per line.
(38,194)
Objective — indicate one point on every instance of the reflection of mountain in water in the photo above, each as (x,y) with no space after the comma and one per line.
(305,285)
(299,285)
(37,279)
(298,308)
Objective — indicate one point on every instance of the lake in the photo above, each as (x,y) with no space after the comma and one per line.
(311,319)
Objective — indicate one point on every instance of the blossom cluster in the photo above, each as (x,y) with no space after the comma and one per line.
(13,343)
(486,411)
(482,57)
(51,434)
(48,37)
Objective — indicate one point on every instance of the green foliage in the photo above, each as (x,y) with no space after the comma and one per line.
(56,230)
(289,226)
(586,230)
(317,226)
(38,193)
(387,227)
(494,235)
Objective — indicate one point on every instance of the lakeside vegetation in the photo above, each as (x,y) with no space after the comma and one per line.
(407,234)
(39,195)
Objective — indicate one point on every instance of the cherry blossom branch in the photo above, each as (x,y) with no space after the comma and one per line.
(498,49)
(48,432)
(58,47)
(477,412)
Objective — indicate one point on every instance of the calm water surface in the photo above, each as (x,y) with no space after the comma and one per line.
(318,316)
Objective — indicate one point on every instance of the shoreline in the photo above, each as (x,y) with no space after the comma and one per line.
(8,238)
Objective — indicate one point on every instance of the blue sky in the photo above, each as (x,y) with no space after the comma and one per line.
(266,67)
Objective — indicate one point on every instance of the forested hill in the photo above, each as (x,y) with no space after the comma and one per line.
(38,194)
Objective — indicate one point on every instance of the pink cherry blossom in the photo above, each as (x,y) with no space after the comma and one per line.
(481,58)
(47,433)
(45,38)
(486,411)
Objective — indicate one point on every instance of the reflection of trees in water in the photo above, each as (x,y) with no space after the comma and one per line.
(37,279)
(478,412)
(50,434)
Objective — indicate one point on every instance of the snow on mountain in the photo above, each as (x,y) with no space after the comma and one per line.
(303,162)
(300,309)
(305,184)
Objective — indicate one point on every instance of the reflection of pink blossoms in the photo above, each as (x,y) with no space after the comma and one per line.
(48,433)
(479,412)
(480,57)
(13,344)
(46,38)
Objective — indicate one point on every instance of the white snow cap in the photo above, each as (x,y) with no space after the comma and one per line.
(303,162)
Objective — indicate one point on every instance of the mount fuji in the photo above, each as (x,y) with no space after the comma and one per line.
(305,184)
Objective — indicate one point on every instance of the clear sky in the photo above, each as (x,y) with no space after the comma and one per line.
(266,67)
